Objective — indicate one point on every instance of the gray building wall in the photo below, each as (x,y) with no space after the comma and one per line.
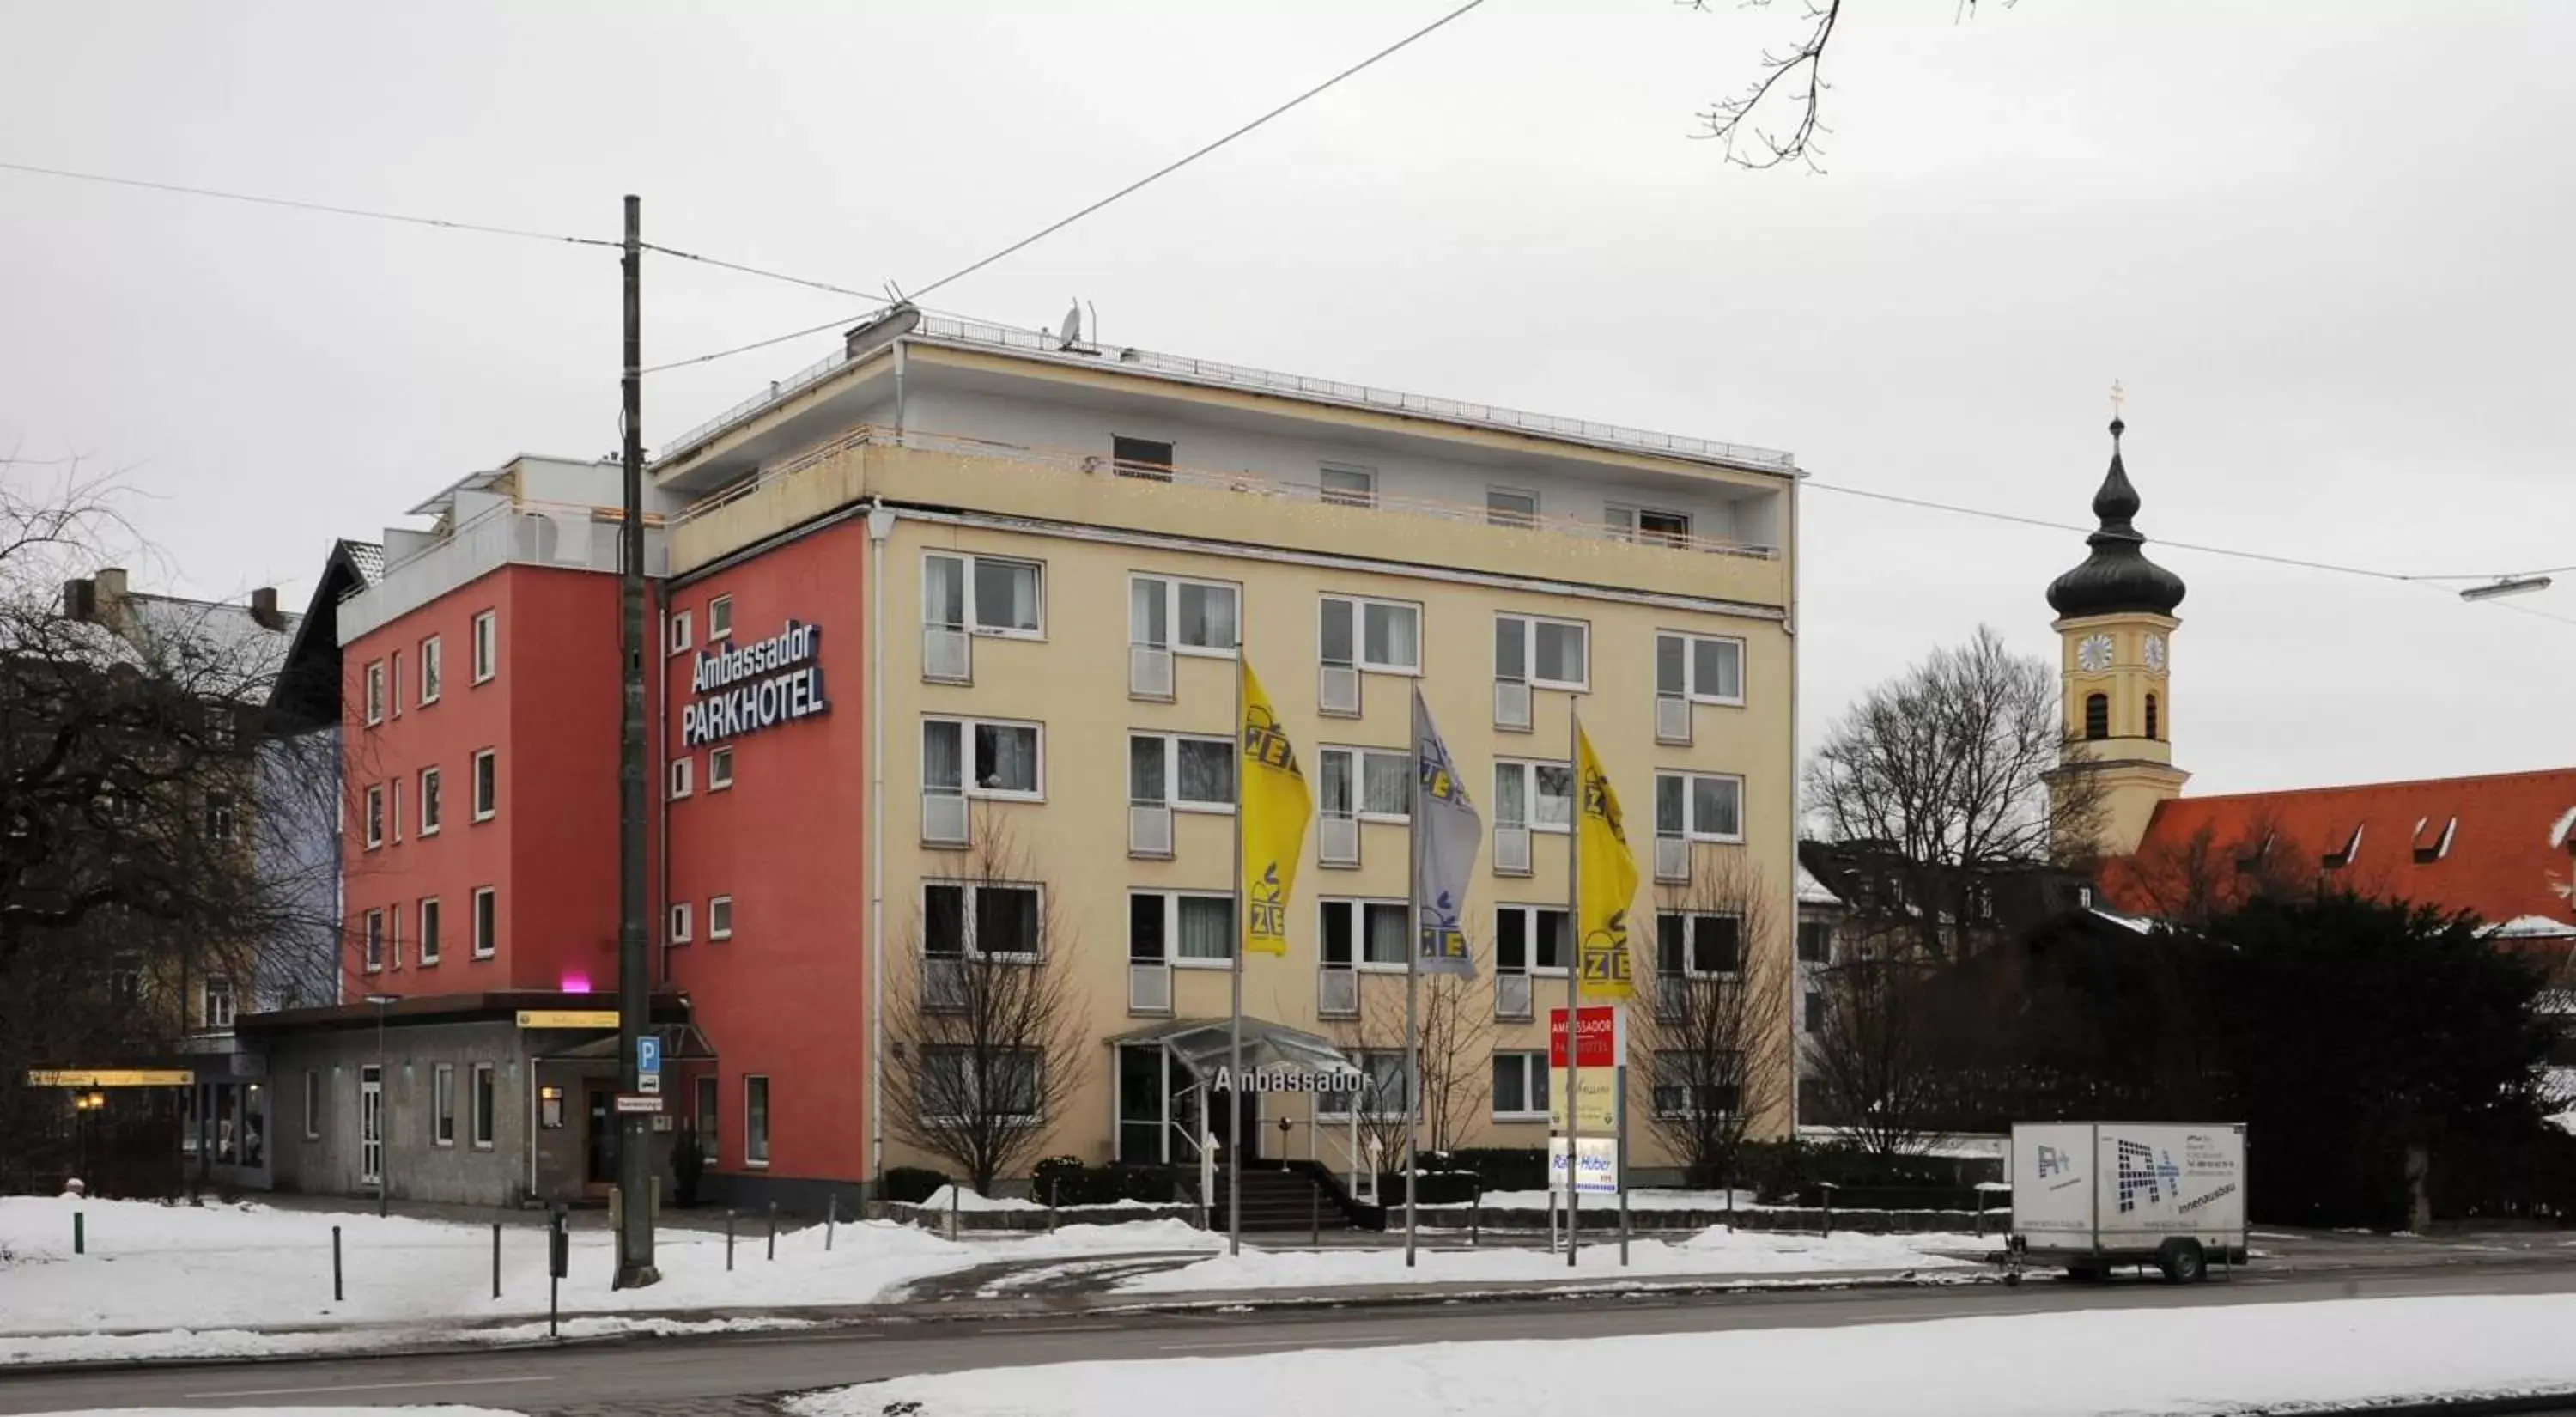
(416,1167)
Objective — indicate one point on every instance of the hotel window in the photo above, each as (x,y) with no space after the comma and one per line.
(218,1002)
(982,758)
(487,784)
(679,631)
(312,1104)
(681,768)
(1141,457)
(1548,654)
(432,665)
(719,917)
(720,618)
(1384,636)
(1505,506)
(1529,939)
(988,1084)
(1689,1084)
(1184,773)
(485,1112)
(431,804)
(680,923)
(487,922)
(719,768)
(375,817)
(1816,941)
(375,691)
(372,932)
(1699,806)
(985,594)
(1649,525)
(487,646)
(1698,946)
(987,920)
(1366,933)
(1373,784)
(1701,668)
(1538,796)
(1195,930)
(1384,1093)
(755,1122)
(1520,1086)
(1186,617)
(443,1105)
(1349,485)
(429,923)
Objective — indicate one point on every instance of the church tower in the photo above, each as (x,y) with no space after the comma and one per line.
(2115,625)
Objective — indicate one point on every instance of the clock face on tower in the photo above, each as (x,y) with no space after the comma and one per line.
(2094,654)
(2156,652)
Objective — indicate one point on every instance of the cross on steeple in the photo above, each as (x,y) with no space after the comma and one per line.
(2119,397)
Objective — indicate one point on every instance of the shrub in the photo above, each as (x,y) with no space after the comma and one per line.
(913,1184)
(1502,1168)
(1430,1188)
(1064,1180)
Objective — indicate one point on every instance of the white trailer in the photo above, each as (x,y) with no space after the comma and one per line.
(2095,1195)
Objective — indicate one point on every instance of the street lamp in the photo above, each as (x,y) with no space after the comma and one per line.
(2509,585)
(384,1096)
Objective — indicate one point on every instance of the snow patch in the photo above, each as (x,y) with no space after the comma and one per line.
(2559,829)
(1715,1252)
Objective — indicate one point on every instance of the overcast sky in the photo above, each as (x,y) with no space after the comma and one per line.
(2324,243)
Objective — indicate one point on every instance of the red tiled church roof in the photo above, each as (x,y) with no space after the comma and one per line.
(2502,848)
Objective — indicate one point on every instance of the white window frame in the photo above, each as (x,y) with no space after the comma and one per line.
(679,632)
(719,619)
(313,1104)
(433,925)
(1528,768)
(1529,650)
(1357,907)
(967,786)
(755,1148)
(1534,1083)
(1691,830)
(1367,1101)
(1362,496)
(1037,1076)
(969,947)
(1360,605)
(1656,1086)
(485,810)
(683,772)
(393,683)
(1690,942)
(1691,689)
(1171,585)
(678,930)
(487,645)
(217,986)
(485,1117)
(373,704)
(442,1105)
(1359,757)
(1624,519)
(486,942)
(1171,901)
(433,670)
(433,801)
(719,917)
(720,768)
(371,941)
(1530,933)
(972,625)
(219,818)
(374,815)
(1172,772)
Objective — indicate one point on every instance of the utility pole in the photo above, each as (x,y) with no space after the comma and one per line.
(634,991)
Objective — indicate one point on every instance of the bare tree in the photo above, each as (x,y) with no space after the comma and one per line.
(987,1033)
(1874,1061)
(1454,1029)
(2203,876)
(1790,89)
(1717,1018)
(1947,773)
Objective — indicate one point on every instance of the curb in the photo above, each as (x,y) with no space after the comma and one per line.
(2471,1405)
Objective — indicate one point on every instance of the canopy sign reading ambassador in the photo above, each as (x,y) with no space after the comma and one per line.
(745,688)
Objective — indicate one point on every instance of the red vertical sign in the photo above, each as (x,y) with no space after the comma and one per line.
(1601,1033)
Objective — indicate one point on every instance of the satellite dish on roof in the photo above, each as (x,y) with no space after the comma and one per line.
(1071,334)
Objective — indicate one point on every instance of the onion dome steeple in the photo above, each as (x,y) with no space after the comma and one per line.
(2117,577)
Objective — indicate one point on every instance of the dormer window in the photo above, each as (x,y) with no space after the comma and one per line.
(2431,844)
(2337,860)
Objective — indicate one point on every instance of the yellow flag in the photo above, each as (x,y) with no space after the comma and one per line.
(1275,805)
(1607,876)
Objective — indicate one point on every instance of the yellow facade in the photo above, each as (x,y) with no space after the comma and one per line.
(2125,747)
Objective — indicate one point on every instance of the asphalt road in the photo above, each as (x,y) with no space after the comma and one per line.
(703,1377)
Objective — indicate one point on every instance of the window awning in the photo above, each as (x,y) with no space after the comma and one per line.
(1204,1045)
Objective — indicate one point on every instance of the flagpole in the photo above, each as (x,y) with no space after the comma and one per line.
(1573,969)
(1413,983)
(1234,1073)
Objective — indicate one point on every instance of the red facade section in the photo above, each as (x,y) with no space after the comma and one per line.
(785,998)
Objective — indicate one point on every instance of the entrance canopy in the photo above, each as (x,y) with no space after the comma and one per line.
(1205,1045)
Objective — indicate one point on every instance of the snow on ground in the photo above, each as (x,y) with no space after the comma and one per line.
(967,1198)
(226,1267)
(287,1412)
(255,1343)
(1637,1200)
(2128,1361)
(1711,1252)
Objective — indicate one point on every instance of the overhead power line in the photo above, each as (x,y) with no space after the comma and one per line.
(1061,223)
(295,204)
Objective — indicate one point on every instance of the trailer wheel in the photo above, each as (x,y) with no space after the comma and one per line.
(2182,1262)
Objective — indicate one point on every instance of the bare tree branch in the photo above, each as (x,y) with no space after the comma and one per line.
(1791,81)
(1715,1015)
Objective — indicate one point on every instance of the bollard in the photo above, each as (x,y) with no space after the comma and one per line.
(1623,1222)
(953,1191)
(496,1259)
(558,1264)
(1476,1215)
(831,1217)
(80,1232)
(1054,1183)
(1827,1191)
(1315,1215)
(773,1230)
(729,1214)
(337,1293)
(1730,1202)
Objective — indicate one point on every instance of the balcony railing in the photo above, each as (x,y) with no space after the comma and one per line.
(1512,998)
(1337,839)
(1337,992)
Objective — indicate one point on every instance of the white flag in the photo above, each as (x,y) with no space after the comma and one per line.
(1446,832)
